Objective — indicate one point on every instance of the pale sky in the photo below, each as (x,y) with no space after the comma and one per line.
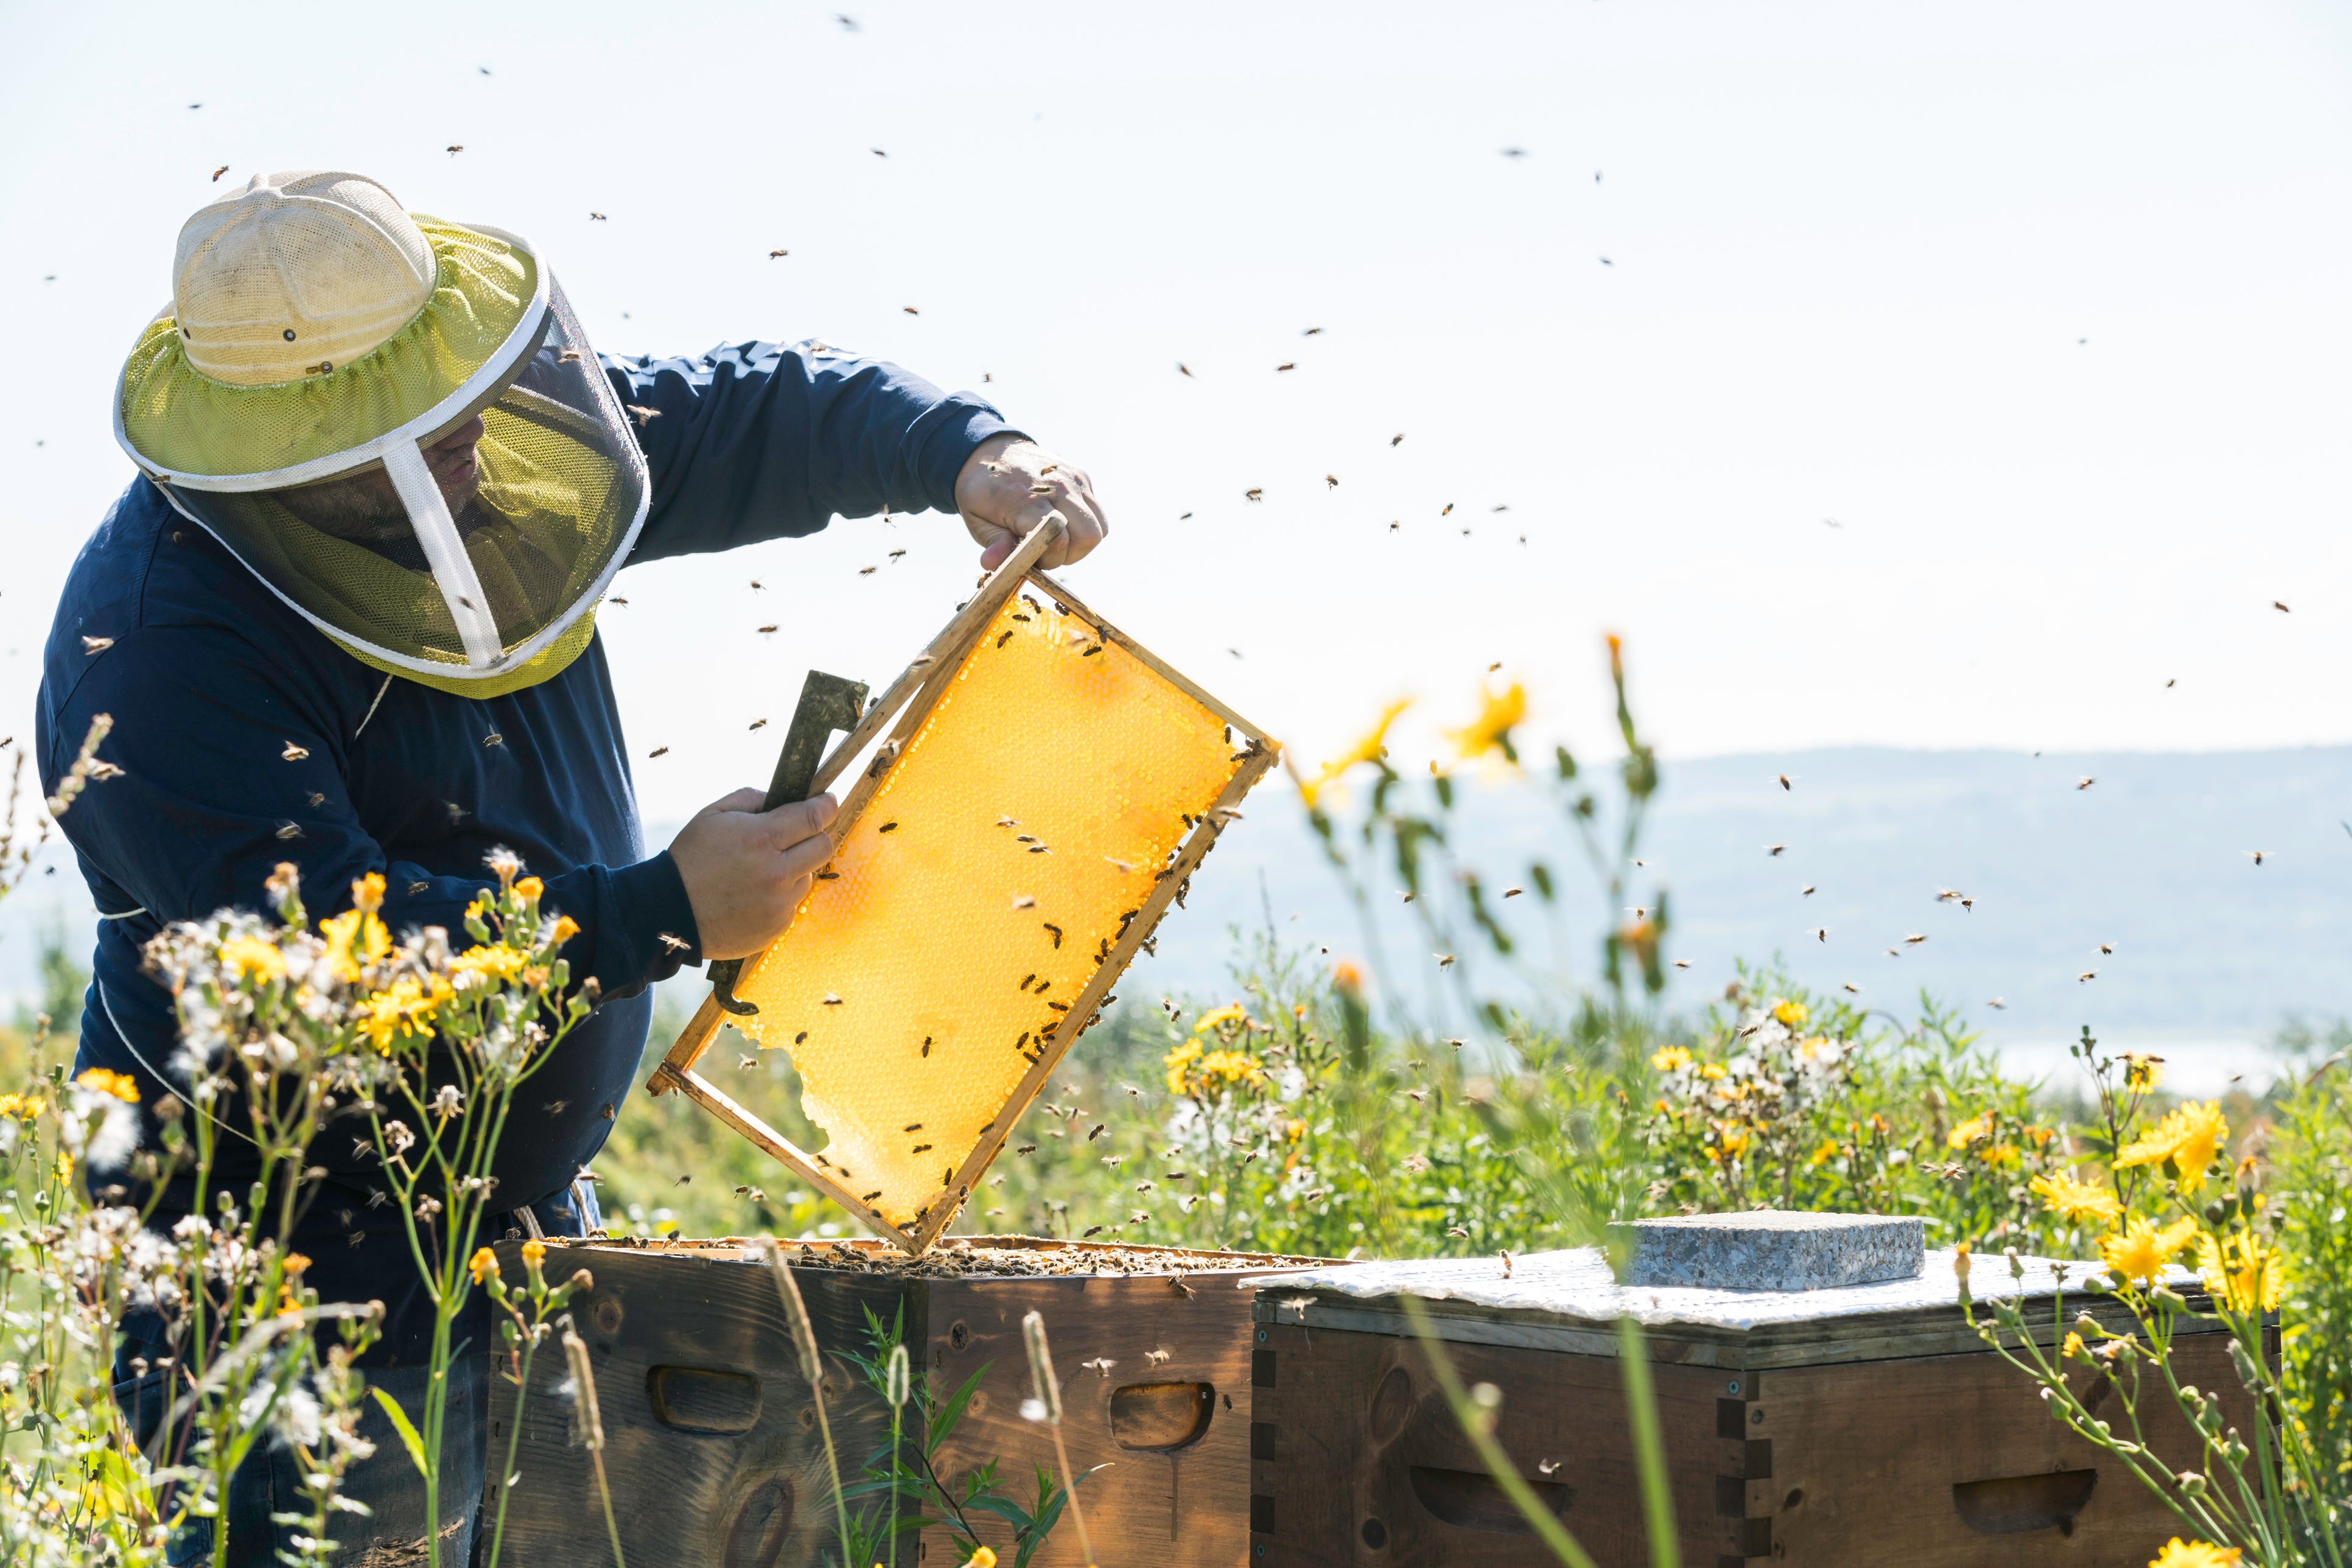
(2044,306)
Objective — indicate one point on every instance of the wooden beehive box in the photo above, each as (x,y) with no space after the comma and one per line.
(1851,1427)
(712,1446)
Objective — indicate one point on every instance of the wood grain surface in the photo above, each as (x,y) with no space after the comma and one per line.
(1944,1461)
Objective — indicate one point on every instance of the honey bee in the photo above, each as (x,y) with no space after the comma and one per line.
(758,723)
(494,738)
(658,751)
(1774,849)
(292,753)
(1286,364)
(1256,492)
(1913,940)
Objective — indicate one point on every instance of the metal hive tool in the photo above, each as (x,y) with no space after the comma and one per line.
(1044,792)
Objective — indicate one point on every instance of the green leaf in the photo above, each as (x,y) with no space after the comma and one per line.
(406,1427)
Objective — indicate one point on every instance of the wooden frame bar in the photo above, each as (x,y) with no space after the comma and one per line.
(903,708)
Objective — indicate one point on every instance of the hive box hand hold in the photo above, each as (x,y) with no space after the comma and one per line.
(1038,794)
(1836,1427)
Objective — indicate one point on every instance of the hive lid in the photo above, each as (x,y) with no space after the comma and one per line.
(1041,800)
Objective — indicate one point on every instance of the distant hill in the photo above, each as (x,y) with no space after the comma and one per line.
(2211,950)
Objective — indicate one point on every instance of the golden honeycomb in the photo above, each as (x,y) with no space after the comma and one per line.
(977,892)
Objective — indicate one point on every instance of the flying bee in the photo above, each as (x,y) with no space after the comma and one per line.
(749,1064)
(568,357)
(658,751)
(1054,929)
(1774,848)
(758,723)
(675,943)
(767,630)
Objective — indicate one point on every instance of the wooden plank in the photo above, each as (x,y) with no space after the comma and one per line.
(708,1336)
(1081,1014)
(1867,1461)
(1946,1461)
(1946,1337)
(691,1042)
(1151,660)
(1368,1465)
(946,650)
(1169,1415)
(724,1106)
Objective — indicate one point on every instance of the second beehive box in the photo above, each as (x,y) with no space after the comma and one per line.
(1829,1428)
(712,1432)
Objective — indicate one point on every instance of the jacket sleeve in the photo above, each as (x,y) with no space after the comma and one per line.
(230,766)
(761,441)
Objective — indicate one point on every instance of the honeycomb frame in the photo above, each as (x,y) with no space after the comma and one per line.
(905,708)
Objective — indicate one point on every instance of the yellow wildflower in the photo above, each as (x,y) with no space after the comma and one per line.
(2140,1251)
(1179,1063)
(1973,1131)
(495,963)
(2179,1553)
(1294,1130)
(1671,1059)
(355,939)
(566,928)
(2142,1072)
(530,890)
(534,1253)
(2189,1138)
(1498,714)
(1811,1047)
(367,893)
(981,1557)
(1791,1013)
(1825,1154)
(2247,1275)
(1370,747)
(1348,976)
(2072,1350)
(484,1265)
(1714,1071)
(1231,1012)
(22,1107)
(251,958)
(1731,1140)
(2002,1157)
(2078,1201)
(120,1085)
(404,1008)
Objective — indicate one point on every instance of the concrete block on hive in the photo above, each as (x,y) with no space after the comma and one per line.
(1772,1249)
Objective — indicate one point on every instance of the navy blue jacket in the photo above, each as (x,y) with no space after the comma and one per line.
(209,676)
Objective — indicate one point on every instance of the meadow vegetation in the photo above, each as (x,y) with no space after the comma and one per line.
(1333,1105)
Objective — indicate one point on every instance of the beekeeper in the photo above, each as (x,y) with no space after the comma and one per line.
(345,616)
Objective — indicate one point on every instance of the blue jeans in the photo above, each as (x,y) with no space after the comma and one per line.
(270,1481)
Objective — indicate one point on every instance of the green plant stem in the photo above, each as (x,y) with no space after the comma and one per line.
(1545,1523)
(1070,1490)
(514,1444)
(833,1466)
(1649,1443)
(611,1529)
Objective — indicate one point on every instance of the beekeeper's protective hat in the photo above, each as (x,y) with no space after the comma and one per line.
(319,342)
